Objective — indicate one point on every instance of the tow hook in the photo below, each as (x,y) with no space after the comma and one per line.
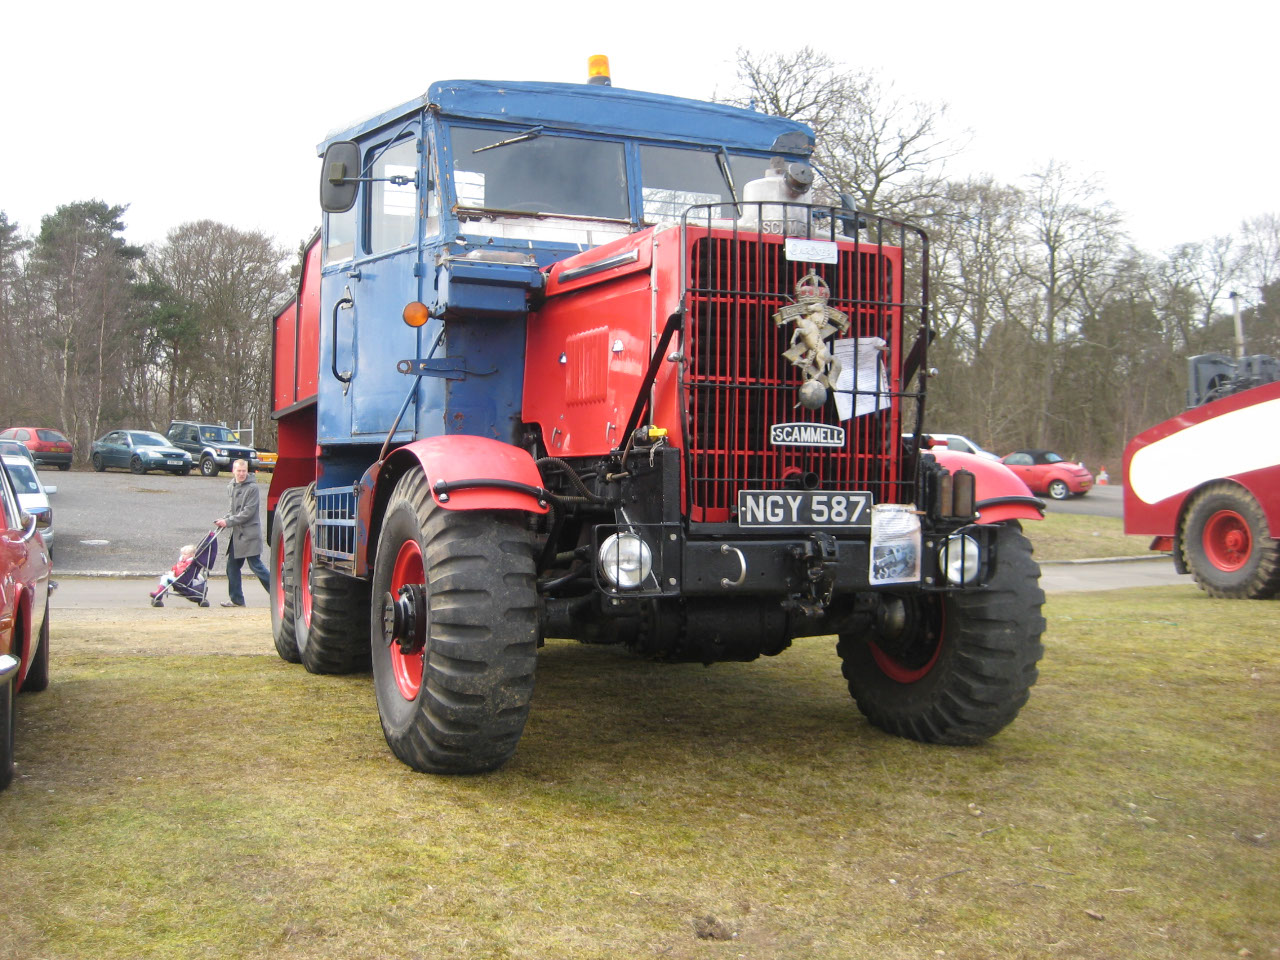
(817,559)
(404,618)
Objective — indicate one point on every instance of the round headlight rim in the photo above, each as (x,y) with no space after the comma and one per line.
(968,558)
(611,569)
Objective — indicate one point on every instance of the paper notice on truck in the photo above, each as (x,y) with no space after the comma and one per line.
(862,386)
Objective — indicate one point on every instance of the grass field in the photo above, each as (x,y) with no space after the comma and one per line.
(1070,536)
(228,806)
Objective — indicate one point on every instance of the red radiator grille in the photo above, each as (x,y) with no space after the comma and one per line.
(737,383)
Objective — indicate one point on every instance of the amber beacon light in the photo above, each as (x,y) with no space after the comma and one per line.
(598,70)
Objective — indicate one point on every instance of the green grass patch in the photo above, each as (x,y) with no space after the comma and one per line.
(1073,536)
(237,807)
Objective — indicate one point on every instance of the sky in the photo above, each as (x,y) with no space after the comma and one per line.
(188,111)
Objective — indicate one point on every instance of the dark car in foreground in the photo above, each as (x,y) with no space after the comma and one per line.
(138,451)
(25,570)
(46,444)
(1049,473)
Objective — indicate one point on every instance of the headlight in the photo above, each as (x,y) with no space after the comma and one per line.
(960,558)
(625,560)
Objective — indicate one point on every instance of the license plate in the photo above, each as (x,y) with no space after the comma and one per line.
(173,463)
(804,508)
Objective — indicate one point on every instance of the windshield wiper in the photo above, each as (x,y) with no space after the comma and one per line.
(530,134)
(722,157)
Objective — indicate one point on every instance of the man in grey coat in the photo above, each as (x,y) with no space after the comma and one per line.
(246,534)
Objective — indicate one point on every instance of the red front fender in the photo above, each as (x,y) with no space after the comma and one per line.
(465,473)
(1000,493)
(476,473)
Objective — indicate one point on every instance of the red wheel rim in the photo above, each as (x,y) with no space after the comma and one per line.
(304,580)
(407,669)
(1227,540)
(900,672)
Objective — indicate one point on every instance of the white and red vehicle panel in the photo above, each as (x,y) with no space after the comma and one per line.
(1234,438)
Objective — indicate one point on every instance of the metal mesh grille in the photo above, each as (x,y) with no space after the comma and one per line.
(738,383)
(336,523)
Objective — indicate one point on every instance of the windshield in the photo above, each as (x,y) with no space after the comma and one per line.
(541,174)
(24,478)
(1052,458)
(217,435)
(676,179)
(145,438)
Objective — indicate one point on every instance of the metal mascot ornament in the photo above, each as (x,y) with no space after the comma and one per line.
(816,323)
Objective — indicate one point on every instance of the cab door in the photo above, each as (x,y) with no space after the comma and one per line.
(363,298)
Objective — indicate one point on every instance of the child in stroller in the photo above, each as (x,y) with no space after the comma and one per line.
(189,577)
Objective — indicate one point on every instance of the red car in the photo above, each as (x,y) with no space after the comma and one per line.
(24,614)
(1046,472)
(46,444)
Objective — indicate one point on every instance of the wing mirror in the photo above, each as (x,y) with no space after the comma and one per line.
(340,177)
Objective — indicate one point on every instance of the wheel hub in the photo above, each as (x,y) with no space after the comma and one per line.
(404,618)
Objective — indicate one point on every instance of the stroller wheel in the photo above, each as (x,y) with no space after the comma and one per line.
(204,603)
(157,602)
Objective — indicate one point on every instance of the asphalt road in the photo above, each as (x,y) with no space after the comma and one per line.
(1104,501)
(119,524)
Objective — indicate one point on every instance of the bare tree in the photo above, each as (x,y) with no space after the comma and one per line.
(884,150)
(213,334)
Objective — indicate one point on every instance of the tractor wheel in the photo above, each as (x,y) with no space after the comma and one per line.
(283,577)
(1227,545)
(208,467)
(96,461)
(1059,490)
(953,668)
(454,654)
(38,672)
(330,610)
(8,721)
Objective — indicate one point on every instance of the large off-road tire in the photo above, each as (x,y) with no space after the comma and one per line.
(331,610)
(8,721)
(1227,545)
(38,672)
(459,705)
(208,467)
(96,461)
(284,576)
(953,668)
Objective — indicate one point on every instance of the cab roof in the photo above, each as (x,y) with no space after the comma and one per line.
(599,109)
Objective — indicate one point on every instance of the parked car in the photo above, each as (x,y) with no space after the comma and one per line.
(46,444)
(961,444)
(12,448)
(33,494)
(1046,472)
(139,451)
(211,445)
(25,570)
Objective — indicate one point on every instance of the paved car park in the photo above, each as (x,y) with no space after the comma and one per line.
(121,523)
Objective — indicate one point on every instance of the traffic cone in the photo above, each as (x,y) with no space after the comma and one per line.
(1103,479)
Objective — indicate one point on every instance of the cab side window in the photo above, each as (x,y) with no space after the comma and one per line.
(340,236)
(393,207)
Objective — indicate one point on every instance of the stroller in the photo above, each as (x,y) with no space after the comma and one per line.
(193,581)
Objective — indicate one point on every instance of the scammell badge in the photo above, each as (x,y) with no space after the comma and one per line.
(815,324)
